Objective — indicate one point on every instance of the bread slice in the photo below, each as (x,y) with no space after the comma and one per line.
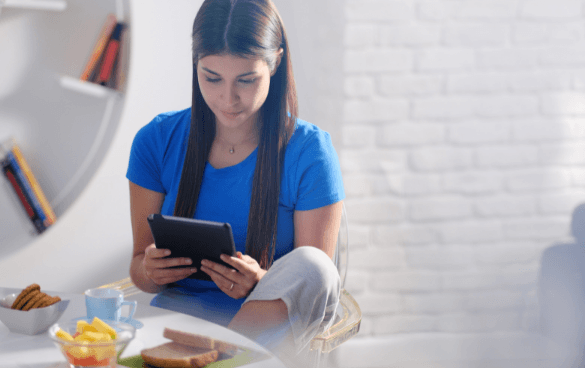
(200,341)
(175,355)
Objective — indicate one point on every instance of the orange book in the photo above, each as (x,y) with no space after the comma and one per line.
(99,47)
(34,184)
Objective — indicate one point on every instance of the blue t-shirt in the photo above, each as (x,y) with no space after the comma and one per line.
(311,179)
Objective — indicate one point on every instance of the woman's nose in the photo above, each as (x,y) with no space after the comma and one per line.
(230,95)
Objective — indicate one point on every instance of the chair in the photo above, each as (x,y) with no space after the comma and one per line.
(349,314)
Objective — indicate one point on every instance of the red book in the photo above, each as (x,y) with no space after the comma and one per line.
(110,55)
(12,179)
(25,200)
(99,47)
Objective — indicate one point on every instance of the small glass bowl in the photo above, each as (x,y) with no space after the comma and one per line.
(94,354)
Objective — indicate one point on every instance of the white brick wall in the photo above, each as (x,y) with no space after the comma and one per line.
(463,155)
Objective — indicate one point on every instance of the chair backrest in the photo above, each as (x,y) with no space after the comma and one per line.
(341,255)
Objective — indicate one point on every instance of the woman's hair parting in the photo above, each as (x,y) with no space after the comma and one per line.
(249,29)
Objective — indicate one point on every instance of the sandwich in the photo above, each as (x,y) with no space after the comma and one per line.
(186,350)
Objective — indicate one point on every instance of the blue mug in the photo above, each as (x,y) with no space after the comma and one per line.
(106,304)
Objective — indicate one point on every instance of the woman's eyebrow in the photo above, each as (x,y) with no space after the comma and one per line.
(214,73)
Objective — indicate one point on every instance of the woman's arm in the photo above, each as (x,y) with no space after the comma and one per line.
(148,269)
(319,227)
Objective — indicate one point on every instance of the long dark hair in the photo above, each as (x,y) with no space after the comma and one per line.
(251,29)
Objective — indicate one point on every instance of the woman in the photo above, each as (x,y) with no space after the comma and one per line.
(240,155)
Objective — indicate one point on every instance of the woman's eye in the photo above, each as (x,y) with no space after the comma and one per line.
(212,80)
(247,81)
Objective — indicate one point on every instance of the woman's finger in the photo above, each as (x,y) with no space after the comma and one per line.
(228,286)
(219,268)
(218,278)
(222,272)
(238,263)
(172,262)
(153,252)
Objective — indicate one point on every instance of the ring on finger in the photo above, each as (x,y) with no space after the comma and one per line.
(231,287)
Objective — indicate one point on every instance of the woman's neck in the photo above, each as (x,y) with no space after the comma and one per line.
(238,135)
(232,146)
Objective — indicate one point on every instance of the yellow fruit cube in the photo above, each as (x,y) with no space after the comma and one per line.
(82,337)
(93,337)
(83,326)
(101,326)
(64,335)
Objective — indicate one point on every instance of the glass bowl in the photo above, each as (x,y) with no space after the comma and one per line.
(92,354)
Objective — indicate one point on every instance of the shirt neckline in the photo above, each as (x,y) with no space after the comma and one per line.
(240,164)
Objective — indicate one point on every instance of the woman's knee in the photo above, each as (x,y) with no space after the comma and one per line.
(319,263)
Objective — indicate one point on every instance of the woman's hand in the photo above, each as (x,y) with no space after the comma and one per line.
(236,283)
(157,267)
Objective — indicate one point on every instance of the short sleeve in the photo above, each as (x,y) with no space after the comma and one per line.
(318,173)
(145,166)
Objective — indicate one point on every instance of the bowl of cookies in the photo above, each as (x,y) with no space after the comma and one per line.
(31,311)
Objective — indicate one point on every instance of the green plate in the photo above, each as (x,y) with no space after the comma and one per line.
(246,356)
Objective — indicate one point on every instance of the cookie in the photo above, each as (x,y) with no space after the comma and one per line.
(38,302)
(44,300)
(23,293)
(31,303)
(34,296)
(56,300)
(50,301)
(25,299)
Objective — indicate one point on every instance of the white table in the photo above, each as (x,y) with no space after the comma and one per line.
(17,350)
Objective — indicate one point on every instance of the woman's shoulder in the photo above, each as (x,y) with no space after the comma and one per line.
(312,176)
(166,126)
(171,119)
(308,137)
(308,144)
(306,133)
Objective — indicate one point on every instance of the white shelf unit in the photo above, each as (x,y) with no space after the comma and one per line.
(87,88)
(53,5)
(64,126)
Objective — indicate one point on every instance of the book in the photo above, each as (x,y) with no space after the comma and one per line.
(36,188)
(110,55)
(9,172)
(116,79)
(26,187)
(25,197)
(119,75)
(99,48)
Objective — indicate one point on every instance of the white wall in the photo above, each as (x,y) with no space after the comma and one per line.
(463,158)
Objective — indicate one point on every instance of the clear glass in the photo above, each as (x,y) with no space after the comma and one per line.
(96,354)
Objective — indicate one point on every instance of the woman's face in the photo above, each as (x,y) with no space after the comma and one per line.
(234,88)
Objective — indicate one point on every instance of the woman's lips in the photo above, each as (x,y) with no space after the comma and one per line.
(231,115)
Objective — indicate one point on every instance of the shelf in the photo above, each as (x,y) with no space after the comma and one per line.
(88,88)
(89,112)
(53,5)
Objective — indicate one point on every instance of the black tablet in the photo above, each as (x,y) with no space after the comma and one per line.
(195,239)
